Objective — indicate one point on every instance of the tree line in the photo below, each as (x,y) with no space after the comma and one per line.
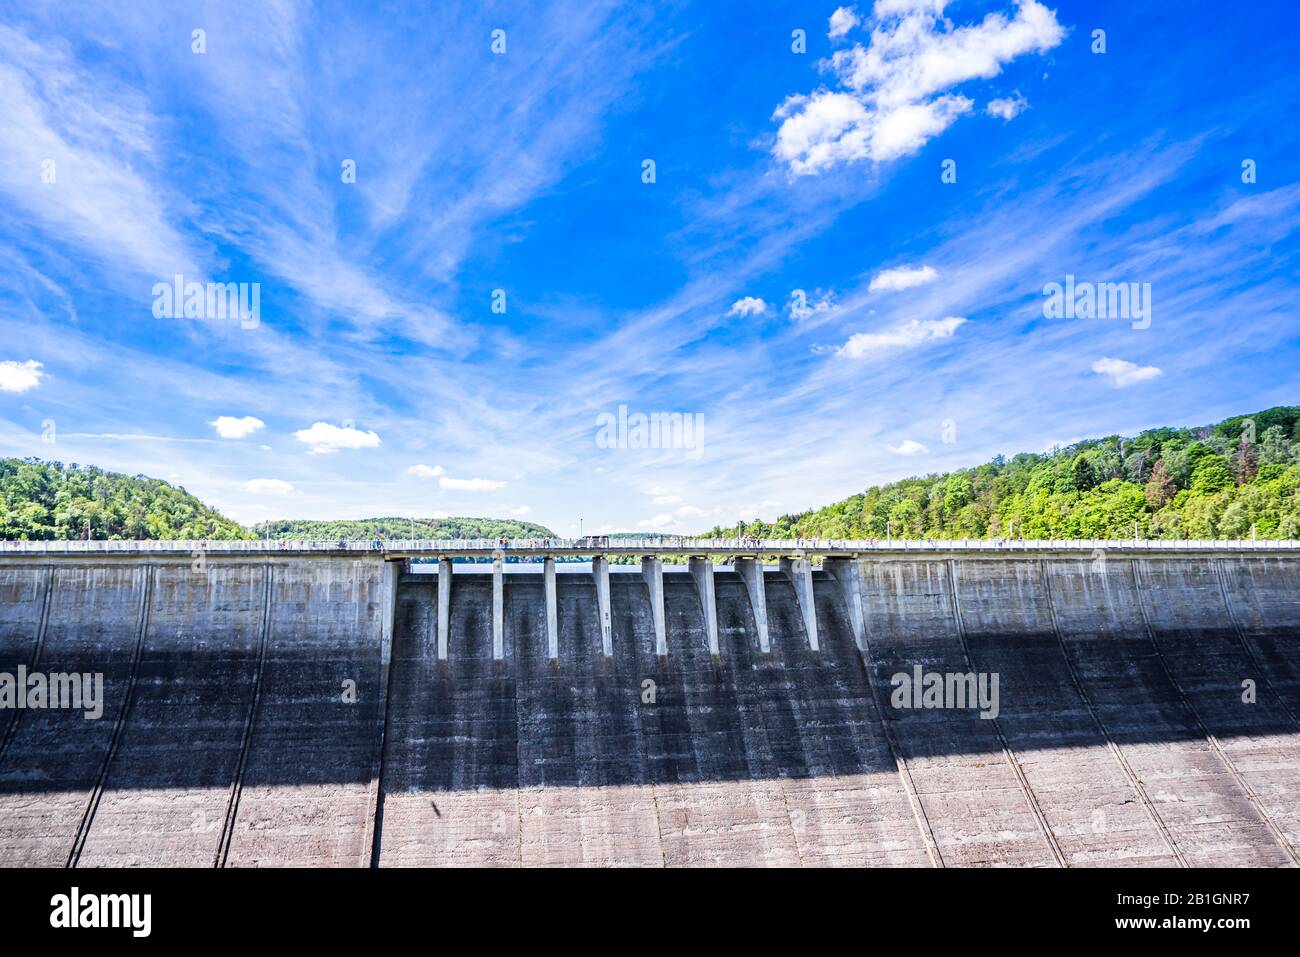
(52,501)
(1229,480)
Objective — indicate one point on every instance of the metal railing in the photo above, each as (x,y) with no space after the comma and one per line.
(666,544)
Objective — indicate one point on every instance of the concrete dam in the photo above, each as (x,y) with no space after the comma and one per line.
(337,705)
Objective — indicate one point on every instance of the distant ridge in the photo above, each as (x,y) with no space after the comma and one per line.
(396,527)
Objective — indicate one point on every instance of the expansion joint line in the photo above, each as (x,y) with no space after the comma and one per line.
(222,853)
(88,817)
(900,762)
(794,833)
(1133,781)
(1245,645)
(370,847)
(1201,726)
(1007,752)
(11,729)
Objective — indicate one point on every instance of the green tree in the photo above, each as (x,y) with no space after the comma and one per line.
(1211,475)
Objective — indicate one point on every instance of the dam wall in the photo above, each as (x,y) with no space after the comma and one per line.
(226,736)
(293,710)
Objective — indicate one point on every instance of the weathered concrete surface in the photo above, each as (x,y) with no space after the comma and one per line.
(23,593)
(642,759)
(1192,790)
(451,769)
(305,797)
(1208,662)
(168,789)
(1091,806)
(250,718)
(52,765)
(969,793)
(1265,600)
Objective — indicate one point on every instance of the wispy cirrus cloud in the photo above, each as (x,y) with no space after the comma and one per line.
(79,158)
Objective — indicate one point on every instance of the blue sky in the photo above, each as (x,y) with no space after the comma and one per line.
(378,378)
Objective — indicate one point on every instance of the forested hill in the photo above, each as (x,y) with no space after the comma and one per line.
(1214,481)
(393,528)
(50,500)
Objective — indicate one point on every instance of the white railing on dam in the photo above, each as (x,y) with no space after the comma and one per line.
(665,545)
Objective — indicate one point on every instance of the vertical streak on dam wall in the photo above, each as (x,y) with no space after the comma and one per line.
(167,790)
(1207,660)
(306,798)
(93,626)
(390,577)
(854,809)
(640,758)
(237,784)
(451,765)
(972,799)
(1209,816)
(708,752)
(583,798)
(1264,595)
(25,598)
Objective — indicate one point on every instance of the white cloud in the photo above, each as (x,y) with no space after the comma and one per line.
(908,447)
(1123,373)
(821,130)
(842,21)
(895,94)
(20,376)
(1007,107)
(515,510)
(749,306)
(688,511)
(903,277)
(425,471)
(229,427)
(325,439)
(470,485)
(271,486)
(909,334)
(667,499)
